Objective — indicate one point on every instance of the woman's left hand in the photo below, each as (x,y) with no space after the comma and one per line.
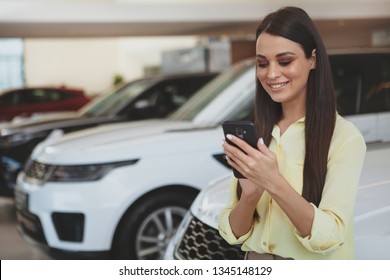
(258,165)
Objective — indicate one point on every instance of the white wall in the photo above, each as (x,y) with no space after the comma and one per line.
(139,52)
(92,63)
(85,63)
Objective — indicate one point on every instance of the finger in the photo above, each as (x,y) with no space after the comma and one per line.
(238,157)
(241,144)
(233,153)
(243,163)
(236,165)
(264,149)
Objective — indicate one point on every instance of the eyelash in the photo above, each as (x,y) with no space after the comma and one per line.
(262,65)
(281,63)
(285,63)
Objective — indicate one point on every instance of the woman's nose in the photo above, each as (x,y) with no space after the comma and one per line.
(273,71)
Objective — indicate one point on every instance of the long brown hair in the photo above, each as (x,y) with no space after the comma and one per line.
(295,24)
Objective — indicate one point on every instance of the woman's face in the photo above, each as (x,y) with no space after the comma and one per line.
(282,68)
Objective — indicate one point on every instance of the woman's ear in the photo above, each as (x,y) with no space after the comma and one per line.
(313,59)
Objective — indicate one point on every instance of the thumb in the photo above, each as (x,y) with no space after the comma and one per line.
(264,149)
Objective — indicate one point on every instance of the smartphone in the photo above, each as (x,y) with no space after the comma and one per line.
(245,130)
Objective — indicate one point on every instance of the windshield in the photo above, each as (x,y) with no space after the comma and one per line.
(211,91)
(112,101)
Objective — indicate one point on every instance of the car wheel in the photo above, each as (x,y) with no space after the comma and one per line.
(146,230)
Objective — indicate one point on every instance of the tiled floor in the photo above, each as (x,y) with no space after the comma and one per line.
(12,245)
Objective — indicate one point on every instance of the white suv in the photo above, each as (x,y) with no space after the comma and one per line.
(121,190)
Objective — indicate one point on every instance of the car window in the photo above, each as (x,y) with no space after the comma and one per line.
(171,94)
(361,82)
(211,91)
(243,112)
(156,101)
(47,95)
(377,86)
(180,90)
(165,96)
(10,99)
(31,96)
(113,101)
(24,97)
(377,99)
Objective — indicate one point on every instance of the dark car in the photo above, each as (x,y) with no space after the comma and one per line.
(151,97)
(27,101)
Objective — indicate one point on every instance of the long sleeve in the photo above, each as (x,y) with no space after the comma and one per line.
(332,218)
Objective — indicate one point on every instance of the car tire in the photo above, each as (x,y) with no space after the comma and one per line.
(146,228)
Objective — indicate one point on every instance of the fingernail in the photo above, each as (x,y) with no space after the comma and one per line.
(261,141)
(228,136)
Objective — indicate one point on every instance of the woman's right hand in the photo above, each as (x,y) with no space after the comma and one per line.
(250,191)
(242,215)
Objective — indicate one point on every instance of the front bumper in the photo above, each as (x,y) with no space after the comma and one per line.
(77,217)
(30,227)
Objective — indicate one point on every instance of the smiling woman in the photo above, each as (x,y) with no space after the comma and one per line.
(289,206)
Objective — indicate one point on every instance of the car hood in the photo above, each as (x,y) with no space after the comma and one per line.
(41,118)
(126,141)
(65,122)
(38,122)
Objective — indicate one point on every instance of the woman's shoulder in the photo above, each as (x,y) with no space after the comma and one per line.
(346,131)
(345,127)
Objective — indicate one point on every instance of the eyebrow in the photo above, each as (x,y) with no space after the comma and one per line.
(278,55)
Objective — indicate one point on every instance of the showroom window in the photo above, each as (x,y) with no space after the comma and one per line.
(11,63)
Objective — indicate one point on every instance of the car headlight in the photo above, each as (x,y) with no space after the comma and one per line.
(38,173)
(80,173)
(211,200)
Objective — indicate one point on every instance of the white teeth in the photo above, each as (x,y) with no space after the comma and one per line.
(275,86)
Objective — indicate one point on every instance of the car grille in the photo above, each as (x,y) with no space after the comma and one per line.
(36,170)
(202,242)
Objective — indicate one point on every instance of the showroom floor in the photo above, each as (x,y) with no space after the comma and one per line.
(12,246)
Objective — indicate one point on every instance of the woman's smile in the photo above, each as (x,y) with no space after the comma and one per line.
(277,86)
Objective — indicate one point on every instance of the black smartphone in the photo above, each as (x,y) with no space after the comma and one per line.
(245,130)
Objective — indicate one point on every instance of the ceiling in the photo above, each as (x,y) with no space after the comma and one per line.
(105,18)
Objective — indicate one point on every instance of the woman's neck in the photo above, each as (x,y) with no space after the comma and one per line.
(290,115)
(292,112)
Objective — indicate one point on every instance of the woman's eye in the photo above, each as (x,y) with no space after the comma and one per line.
(262,65)
(284,63)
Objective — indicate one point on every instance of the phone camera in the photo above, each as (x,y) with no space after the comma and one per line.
(239,132)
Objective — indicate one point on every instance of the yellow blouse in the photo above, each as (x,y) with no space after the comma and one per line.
(332,235)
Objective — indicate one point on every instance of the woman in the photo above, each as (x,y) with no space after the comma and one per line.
(298,199)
